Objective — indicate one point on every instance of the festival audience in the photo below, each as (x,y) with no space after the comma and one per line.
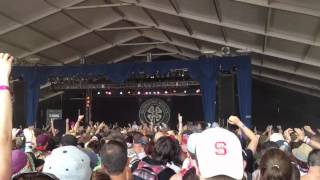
(148,151)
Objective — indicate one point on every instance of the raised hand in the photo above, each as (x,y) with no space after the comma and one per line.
(15,132)
(234,120)
(179,117)
(309,130)
(300,134)
(287,133)
(80,117)
(5,68)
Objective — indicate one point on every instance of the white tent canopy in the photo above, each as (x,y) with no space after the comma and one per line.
(283,35)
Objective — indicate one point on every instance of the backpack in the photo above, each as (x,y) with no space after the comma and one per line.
(148,172)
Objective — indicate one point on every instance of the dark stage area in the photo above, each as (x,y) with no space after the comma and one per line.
(271,105)
(122,110)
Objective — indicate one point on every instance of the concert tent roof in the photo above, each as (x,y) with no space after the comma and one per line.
(282,35)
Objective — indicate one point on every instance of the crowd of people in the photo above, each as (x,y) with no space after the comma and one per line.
(150,152)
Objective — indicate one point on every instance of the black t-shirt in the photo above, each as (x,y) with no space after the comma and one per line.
(249,159)
(163,175)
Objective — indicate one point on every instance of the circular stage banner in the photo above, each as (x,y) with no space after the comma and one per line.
(154,110)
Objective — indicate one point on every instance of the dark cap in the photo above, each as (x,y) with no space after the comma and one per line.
(69,140)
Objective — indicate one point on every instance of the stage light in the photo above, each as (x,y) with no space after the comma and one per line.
(98,93)
(129,92)
(185,91)
(138,92)
(158,92)
(120,92)
(174,91)
(107,92)
(88,101)
(166,92)
(110,93)
(146,93)
(198,91)
(154,92)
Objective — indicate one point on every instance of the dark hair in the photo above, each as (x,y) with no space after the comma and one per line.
(99,175)
(114,157)
(69,140)
(191,174)
(35,176)
(116,136)
(95,146)
(220,177)
(275,165)
(164,150)
(314,158)
(137,137)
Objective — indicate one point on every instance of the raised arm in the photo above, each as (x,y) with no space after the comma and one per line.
(5,117)
(234,120)
(76,126)
(67,126)
(302,137)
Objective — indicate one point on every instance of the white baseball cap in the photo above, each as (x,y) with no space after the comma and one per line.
(219,152)
(68,163)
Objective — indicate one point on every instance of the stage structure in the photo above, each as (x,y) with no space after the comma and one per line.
(204,71)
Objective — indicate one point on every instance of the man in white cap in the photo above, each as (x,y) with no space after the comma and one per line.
(219,154)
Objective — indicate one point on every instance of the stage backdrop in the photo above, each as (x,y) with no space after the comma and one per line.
(125,110)
(204,71)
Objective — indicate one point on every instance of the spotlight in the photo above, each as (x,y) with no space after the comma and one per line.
(98,93)
(146,93)
(129,92)
(154,92)
(120,92)
(198,91)
(174,91)
(185,91)
(138,92)
(166,92)
(109,93)
(158,92)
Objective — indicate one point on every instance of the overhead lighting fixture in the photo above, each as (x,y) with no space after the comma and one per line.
(225,51)
(209,52)
(243,51)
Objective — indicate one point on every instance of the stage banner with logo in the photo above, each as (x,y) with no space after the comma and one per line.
(155,110)
(54,114)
